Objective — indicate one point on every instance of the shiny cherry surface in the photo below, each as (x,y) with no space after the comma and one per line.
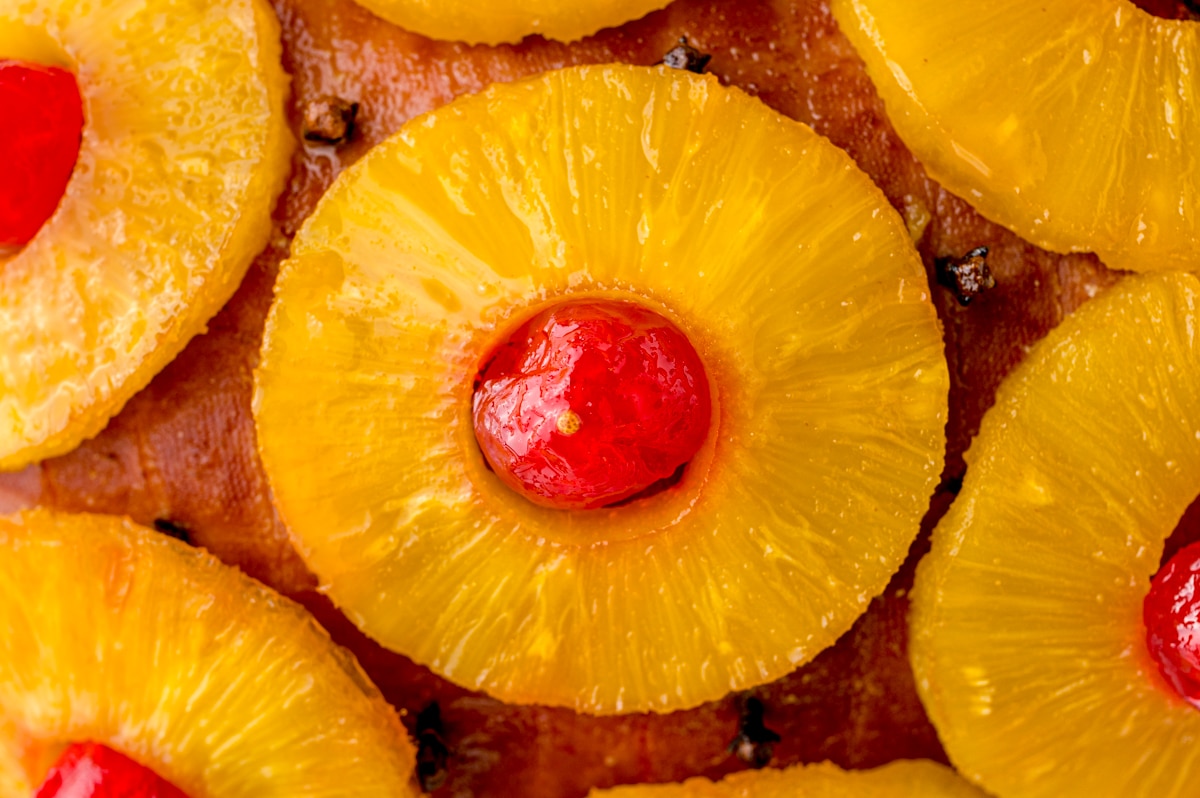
(41,124)
(91,770)
(1172,617)
(591,402)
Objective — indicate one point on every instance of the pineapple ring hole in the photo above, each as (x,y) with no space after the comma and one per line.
(592,403)
(652,512)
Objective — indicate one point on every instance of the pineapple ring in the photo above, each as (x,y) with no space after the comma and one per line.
(1027,634)
(185,148)
(114,633)
(1071,123)
(793,278)
(502,21)
(905,778)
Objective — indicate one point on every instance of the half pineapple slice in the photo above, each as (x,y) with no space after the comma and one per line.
(782,263)
(1071,123)
(900,779)
(500,21)
(1027,634)
(185,148)
(113,633)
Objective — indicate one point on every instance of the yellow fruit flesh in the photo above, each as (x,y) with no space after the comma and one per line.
(900,779)
(782,263)
(509,20)
(1071,123)
(24,761)
(14,776)
(185,148)
(113,633)
(1027,638)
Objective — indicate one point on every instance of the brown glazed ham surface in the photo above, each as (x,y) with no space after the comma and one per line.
(182,452)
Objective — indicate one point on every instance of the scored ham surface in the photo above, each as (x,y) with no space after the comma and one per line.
(182,452)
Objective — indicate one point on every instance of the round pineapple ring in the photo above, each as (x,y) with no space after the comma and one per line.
(786,269)
(499,21)
(915,778)
(1027,633)
(1071,123)
(112,633)
(185,148)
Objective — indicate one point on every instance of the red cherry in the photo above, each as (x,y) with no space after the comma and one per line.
(591,402)
(41,125)
(90,770)
(1172,617)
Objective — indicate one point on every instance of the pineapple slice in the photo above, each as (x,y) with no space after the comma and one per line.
(113,633)
(509,20)
(782,263)
(1071,123)
(185,148)
(914,778)
(1027,634)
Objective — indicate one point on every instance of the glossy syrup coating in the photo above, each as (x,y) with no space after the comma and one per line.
(1172,617)
(184,448)
(590,402)
(91,770)
(39,143)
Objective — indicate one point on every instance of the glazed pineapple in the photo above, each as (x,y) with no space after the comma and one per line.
(1072,123)
(15,769)
(758,241)
(900,779)
(1028,639)
(115,634)
(509,20)
(184,149)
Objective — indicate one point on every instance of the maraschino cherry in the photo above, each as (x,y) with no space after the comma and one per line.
(1172,617)
(591,402)
(41,125)
(91,770)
